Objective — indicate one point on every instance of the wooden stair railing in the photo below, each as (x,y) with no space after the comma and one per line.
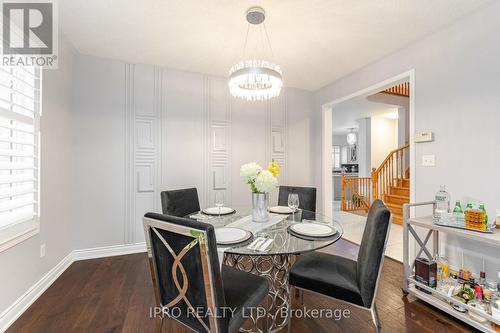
(391,172)
(402,89)
(355,193)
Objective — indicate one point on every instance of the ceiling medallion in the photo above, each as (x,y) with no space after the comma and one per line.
(255,80)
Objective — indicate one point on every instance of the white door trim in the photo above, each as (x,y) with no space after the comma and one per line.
(327,132)
(327,111)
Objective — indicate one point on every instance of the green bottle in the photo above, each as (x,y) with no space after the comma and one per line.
(469,206)
(481,207)
(458,207)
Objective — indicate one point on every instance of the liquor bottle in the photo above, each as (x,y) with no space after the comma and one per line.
(482,280)
(442,202)
(498,281)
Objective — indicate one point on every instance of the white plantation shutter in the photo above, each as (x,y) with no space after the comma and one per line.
(19,144)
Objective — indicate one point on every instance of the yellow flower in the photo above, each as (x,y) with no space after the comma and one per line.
(274,168)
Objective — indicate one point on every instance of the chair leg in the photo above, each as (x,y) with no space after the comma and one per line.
(375,318)
(290,311)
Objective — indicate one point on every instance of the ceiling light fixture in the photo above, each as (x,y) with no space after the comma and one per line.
(352,138)
(255,80)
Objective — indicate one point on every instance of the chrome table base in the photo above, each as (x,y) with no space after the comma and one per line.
(275,269)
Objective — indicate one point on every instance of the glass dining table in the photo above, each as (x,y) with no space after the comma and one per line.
(273,262)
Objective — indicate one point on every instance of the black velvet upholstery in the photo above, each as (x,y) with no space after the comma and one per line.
(342,278)
(307,199)
(180,202)
(231,288)
(314,271)
(371,249)
(242,290)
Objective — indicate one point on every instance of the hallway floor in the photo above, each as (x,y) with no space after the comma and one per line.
(354,226)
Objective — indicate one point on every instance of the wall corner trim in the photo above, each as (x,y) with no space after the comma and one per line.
(19,306)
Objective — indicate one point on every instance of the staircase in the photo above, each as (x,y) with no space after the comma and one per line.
(398,195)
(390,182)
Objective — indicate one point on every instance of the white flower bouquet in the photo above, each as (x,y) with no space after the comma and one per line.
(260,180)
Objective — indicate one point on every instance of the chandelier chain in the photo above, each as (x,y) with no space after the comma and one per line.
(246,41)
(268,39)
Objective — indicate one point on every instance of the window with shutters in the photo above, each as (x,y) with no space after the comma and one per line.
(20,98)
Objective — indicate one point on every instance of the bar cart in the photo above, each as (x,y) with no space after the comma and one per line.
(430,295)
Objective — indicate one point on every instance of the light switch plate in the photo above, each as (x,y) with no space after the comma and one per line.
(428,160)
(42,250)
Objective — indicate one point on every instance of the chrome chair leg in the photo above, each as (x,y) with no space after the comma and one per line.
(375,318)
(290,311)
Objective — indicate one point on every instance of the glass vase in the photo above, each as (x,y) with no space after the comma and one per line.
(259,207)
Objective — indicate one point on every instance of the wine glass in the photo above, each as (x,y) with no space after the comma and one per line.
(293,203)
(219,200)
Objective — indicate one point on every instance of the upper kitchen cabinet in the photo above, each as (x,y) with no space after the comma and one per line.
(349,154)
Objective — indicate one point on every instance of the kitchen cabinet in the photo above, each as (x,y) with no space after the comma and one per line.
(349,154)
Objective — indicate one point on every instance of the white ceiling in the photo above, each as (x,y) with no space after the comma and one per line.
(345,114)
(315,41)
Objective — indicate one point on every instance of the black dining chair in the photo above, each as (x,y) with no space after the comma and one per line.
(307,199)
(352,281)
(180,202)
(188,281)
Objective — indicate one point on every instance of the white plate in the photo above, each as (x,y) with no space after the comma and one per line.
(228,235)
(313,229)
(216,211)
(281,210)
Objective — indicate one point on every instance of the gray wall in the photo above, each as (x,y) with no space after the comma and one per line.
(98,152)
(21,265)
(456,97)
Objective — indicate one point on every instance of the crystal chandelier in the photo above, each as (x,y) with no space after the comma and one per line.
(255,80)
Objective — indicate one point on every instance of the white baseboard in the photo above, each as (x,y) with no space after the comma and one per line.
(9,316)
(108,251)
(14,311)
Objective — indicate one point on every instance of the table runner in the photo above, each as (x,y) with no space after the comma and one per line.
(246,223)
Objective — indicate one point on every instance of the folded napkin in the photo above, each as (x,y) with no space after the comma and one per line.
(200,217)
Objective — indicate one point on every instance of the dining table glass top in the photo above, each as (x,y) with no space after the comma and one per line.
(283,242)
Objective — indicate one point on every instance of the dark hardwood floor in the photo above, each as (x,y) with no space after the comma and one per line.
(115,295)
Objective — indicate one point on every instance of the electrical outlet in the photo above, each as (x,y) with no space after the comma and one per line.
(428,160)
(42,250)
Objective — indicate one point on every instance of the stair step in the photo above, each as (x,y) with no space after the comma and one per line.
(395,209)
(403,182)
(400,190)
(396,199)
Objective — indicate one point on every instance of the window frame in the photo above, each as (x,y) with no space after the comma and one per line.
(17,232)
(336,150)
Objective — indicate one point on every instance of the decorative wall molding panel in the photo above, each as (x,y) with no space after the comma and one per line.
(142,122)
(279,134)
(219,150)
(180,132)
